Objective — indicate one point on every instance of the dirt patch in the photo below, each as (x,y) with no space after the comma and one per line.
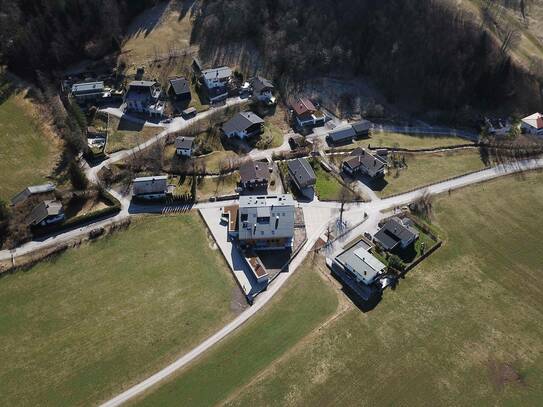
(503,374)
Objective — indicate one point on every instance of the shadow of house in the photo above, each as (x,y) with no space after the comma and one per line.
(129,125)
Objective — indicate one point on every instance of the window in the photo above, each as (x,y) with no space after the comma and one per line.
(244,217)
(264,220)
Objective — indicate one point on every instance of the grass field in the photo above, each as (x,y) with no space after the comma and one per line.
(408,141)
(82,326)
(327,187)
(272,137)
(423,169)
(27,155)
(462,329)
(303,305)
(207,187)
(124,134)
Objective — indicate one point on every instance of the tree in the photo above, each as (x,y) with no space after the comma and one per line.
(77,176)
(4,211)
(396,263)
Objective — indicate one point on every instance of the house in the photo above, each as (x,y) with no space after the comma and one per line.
(497,127)
(341,135)
(254,175)
(184,146)
(88,91)
(533,124)
(266,222)
(306,114)
(263,90)
(396,233)
(362,162)
(179,89)
(243,125)
(303,176)
(34,190)
(216,77)
(46,213)
(144,97)
(362,128)
(151,187)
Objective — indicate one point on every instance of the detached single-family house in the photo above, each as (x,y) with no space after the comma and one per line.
(216,77)
(184,146)
(151,187)
(32,191)
(361,264)
(266,222)
(254,175)
(179,89)
(243,125)
(396,233)
(362,162)
(341,135)
(303,176)
(46,213)
(88,91)
(306,114)
(533,124)
(263,90)
(144,97)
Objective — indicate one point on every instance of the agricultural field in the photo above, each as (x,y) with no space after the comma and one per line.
(462,328)
(423,169)
(29,150)
(409,141)
(124,134)
(87,323)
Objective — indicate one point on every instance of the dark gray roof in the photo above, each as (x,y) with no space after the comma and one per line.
(32,190)
(342,134)
(184,142)
(301,172)
(362,127)
(241,121)
(260,84)
(43,210)
(360,157)
(393,232)
(266,217)
(180,86)
(254,170)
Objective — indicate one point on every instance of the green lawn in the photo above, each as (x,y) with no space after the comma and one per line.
(81,327)
(423,169)
(207,187)
(327,188)
(304,304)
(124,134)
(27,156)
(272,137)
(409,141)
(464,328)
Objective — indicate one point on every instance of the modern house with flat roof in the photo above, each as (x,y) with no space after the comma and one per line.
(184,146)
(266,222)
(362,162)
(151,187)
(88,91)
(396,233)
(32,191)
(46,213)
(254,175)
(243,125)
(306,114)
(302,175)
(144,97)
(533,124)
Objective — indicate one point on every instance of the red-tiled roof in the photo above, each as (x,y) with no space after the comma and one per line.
(303,106)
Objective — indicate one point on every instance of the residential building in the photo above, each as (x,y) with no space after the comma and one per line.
(362,128)
(184,146)
(362,162)
(216,77)
(34,190)
(303,176)
(243,125)
(144,97)
(263,90)
(341,135)
(46,213)
(396,233)
(254,175)
(266,222)
(363,266)
(151,187)
(179,89)
(533,124)
(497,127)
(306,114)
(88,91)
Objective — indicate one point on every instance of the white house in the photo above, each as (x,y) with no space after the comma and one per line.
(533,124)
(216,77)
(361,265)
(243,125)
(151,187)
(144,97)
(183,146)
(263,90)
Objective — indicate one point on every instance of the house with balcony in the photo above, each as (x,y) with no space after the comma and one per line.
(306,114)
(243,125)
(263,90)
(362,162)
(144,97)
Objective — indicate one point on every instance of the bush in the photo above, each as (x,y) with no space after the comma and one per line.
(77,176)
(396,263)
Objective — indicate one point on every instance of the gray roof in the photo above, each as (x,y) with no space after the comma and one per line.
(301,172)
(254,170)
(180,86)
(362,263)
(362,127)
(223,72)
(359,157)
(184,142)
(142,84)
(32,190)
(342,134)
(43,210)
(266,217)
(88,87)
(260,84)
(393,232)
(241,121)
